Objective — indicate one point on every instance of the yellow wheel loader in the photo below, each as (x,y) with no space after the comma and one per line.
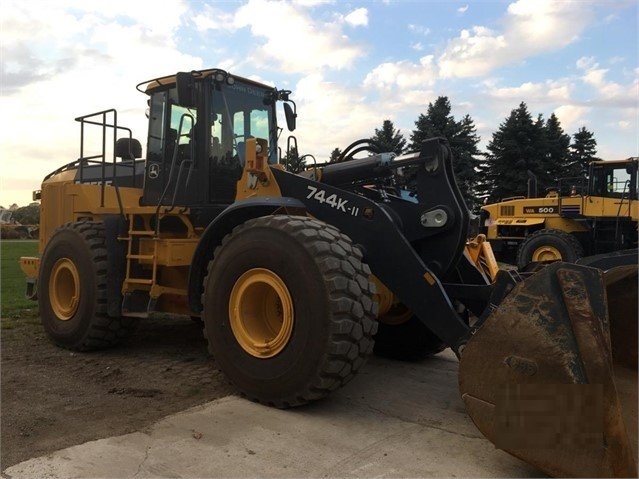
(572,221)
(296,276)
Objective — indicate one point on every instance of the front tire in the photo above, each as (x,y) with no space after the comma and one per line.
(549,245)
(72,290)
(288,309)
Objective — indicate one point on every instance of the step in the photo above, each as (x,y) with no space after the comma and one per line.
(136,304)
(138,281)
(140,256)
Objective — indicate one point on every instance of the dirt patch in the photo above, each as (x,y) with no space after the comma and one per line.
(54,398)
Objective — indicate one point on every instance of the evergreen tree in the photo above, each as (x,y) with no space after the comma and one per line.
(436,122)
(516,148)
(293,162)
(462,138)
(467,160)
(556,160)
(583,150)
(389,139)
(334,155)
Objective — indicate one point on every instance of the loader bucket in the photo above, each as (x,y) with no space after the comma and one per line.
(551,374)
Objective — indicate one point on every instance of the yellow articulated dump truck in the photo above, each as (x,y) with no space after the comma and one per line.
(597,218)
(298,278)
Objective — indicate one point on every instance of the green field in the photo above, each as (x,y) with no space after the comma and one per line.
(13,303)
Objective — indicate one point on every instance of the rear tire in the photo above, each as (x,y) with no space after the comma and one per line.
(288,309)
(72,290)
(549,245)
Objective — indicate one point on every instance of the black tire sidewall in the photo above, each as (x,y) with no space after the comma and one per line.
(288,371)
(68,243)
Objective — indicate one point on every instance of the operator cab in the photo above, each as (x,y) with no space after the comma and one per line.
(198,125)
(614,179)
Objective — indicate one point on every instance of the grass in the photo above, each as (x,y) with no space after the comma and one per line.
(13,304)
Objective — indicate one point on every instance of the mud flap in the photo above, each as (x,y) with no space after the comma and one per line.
(538,377)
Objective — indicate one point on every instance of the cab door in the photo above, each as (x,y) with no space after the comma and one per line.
(172,151)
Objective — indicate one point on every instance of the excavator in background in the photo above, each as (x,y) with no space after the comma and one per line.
(572,221)
(296,276)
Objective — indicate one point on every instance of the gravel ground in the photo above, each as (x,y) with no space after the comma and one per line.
(54,398)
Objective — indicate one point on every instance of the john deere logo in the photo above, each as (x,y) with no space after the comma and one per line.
(154,171)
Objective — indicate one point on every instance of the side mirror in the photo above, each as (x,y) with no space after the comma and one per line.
(185,84)
(290,116)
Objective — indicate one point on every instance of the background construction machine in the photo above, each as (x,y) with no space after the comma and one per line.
(291,274)
(572,221)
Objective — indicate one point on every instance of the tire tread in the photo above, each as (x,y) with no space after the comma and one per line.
(352,305)
(104,331)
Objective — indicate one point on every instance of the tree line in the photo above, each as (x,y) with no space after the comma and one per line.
(520,145)
(25,215)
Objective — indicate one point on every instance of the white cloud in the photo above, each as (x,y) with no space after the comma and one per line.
(607,92)
(341,117)
(585,63)
(540,92)
(357,18)
(610,18)
(419,29)
(572,117)
(531,27)
(472,54)
(462,9)
(61,60)
(403,74)
(301,44)
(212,18)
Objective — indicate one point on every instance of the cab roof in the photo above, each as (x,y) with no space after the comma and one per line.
(632,159)
(161,82)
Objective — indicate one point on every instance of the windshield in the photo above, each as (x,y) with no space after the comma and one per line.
(238,112)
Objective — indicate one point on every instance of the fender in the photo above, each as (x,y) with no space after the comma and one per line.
(236,214)
(387,251)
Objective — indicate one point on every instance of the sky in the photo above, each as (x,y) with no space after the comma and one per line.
(350,64)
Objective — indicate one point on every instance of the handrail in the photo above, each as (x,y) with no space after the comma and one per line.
(100,119)
(617,231)
(172,168)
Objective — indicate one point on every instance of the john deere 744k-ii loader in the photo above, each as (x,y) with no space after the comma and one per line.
(292,273)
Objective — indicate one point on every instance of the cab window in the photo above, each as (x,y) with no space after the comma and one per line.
(157,115)
(613,182)
(183,123)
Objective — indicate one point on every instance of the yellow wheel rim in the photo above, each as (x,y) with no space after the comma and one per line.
(546,253)
(261,313)
(64,289)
